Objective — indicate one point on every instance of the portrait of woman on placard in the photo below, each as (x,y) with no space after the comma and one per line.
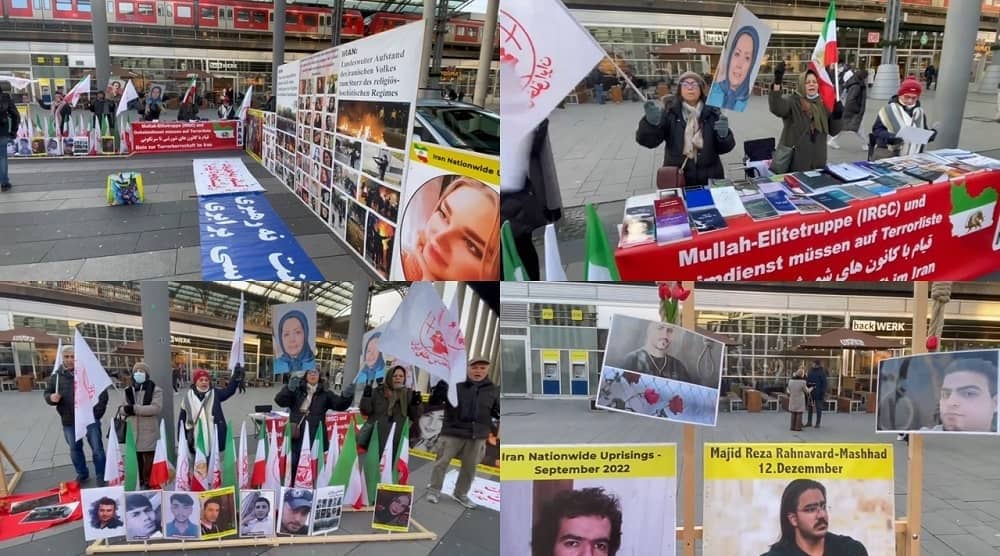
(373,365)
(451,228)
(293,339)
(732,91)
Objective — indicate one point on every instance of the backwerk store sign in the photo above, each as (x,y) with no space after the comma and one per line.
(868,325)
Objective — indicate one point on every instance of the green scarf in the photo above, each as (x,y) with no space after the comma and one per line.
(813,108)
(395,396)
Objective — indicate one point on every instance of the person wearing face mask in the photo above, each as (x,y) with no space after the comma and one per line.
(391,403)
(307,402)
(695,135)
(902,111)
(807,124)
(201,408)
(143,406)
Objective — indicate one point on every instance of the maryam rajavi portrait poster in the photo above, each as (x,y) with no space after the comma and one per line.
(294,337)
(734,78)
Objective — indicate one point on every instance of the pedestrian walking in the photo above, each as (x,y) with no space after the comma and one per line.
(816,380)
(10,121)
(797,392)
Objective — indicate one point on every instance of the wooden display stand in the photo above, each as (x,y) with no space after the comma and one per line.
(7,486)
(907,528)
(422,534)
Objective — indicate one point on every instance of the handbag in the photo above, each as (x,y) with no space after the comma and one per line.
(297,429)
(670,177)
(781,160)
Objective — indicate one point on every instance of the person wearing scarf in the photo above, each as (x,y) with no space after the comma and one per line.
(307,402)
(806,122)
(391,403)
(374,364)
(902,111)
(695,135)
(295,344)
(143,406)
(202,408)
(733,92)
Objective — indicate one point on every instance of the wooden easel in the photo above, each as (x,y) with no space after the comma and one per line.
(7,486)
(907,528)
(422,534)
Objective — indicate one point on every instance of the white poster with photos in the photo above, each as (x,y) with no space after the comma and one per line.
(661,370)
(257,513)
(103,512)
(328,509)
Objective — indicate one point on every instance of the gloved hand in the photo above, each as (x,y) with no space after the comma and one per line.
(415,398)
(779,73)
(933,135)
(368,390)
(838,110)
(722,126)
(653,112)
(293,383)
(128,410)
(895,141)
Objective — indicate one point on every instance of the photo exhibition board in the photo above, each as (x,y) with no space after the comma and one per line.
(342,132)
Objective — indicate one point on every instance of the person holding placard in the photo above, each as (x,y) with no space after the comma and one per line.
(733,91)
(903,111)
(807,124)
(307,402)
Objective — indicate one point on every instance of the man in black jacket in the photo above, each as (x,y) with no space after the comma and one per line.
(805,524)
(307,402)
(59,393)
(103,108)
(465,428)
(10,121)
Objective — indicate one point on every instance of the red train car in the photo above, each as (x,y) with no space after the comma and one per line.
(383,21)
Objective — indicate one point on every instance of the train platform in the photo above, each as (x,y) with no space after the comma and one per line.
(55,223)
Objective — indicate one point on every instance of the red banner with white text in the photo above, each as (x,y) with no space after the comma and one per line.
(174,137)
(945,231)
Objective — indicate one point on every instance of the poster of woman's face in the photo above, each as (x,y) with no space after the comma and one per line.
(734,78)
(372,363)
(661,370)
(142,515)
(257,513)
(449,231)
(103,512)
(294,336)
(392,507)
(946,393)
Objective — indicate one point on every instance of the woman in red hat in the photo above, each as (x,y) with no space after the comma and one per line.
(202,408)
(902,111)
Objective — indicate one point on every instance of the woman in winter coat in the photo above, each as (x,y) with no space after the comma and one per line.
(307,402)
(201,409)
(807,123)
(797,391)
(391,403)
(855,94)
(143,406)
(695,135)
(902,111)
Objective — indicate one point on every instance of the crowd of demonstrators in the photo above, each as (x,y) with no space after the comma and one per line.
(307,401)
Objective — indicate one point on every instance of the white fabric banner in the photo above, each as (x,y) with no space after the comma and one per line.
(483,492)
(216,176)
(90,380)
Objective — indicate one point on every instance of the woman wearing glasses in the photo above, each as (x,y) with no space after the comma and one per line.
(695,135)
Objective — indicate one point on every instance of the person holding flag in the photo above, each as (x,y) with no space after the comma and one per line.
(308,403)
(103,108)
(60,393)
(390,403)
(466,427)
(143,405)
(201,409)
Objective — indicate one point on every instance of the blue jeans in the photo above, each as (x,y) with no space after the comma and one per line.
(76,450)
(599,93)
(4,178)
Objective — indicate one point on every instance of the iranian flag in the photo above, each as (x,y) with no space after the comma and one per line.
(114,465)
(214,465)
(259,465)
(316,454)
(78,90)
(183,480)
(385,465)
(403,462)
(370,467)
(190,90)
(599,260)
(513,267)
(325,474)
(304,470)
(825,55)
(160,473)
(229,470)
(272,472)
(243,466)
(131,459)
(200,478)
(286,455)
(347,472)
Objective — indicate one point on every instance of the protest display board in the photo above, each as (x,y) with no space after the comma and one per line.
(745,46)
(254,141)
(763,499)
(216,176)
(174,137)
(939,393)
(294,333)
(543,485)
(661,370)
(929,232)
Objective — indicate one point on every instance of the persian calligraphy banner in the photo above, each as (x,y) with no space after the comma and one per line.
(243,238)
(216,176)
(173,137)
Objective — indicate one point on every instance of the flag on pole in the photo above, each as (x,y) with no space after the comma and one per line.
(104,125)
(303,471)
(347,473)
(825,55)
(513,267)
(371,464)
(544,54)
(236,348)
(183,478)
(114,465)
(200,479)
(191,90)
(243,466)
(259,472)
(403,461)
(316,453)
(91,380)
(80,89)
(159,475)
(128,95)
(245,105)
(323,478)
(386,474)
(131,458)
(95,138)
(214,463)
(286,456)
(18,83)
(59,354)
(427,334)
(229,470)
(272,474)
(554,271)
(599,260)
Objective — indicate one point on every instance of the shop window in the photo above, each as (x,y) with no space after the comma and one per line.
(184,12)
(146,9)
(126,8)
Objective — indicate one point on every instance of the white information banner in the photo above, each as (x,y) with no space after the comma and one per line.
(216,176)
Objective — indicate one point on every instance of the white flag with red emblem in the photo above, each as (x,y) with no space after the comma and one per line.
(332,453)
(242,465)
(427,334)
(403,462)
(183,480)
(80,89)
(272,475)
(304,470)
(90,380)
(114,464)
(214,465)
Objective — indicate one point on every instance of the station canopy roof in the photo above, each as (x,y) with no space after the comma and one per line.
(333,299)
(398,6)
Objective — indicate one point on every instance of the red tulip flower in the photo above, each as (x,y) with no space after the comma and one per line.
(664,290)
(680,293)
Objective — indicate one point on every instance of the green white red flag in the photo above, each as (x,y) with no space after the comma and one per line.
(825,55)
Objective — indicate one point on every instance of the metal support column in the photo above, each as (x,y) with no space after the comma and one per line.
(102,54)
(486,53)
(278,46)
(440,28)
(338,21)
(886,81)
(358,325)
(156,346)
(952,89)
(425,54)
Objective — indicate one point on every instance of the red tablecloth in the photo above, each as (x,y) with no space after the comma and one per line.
(945,231)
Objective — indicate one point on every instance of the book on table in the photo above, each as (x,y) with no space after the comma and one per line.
(707,219)
(858,191)
(805,205)
(639,223)
(671,220)
(759,208)
(830,202)
(812,180)
(727,200)
(847,171)
(777,195)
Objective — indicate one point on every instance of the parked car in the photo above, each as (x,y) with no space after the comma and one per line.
(459,125)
